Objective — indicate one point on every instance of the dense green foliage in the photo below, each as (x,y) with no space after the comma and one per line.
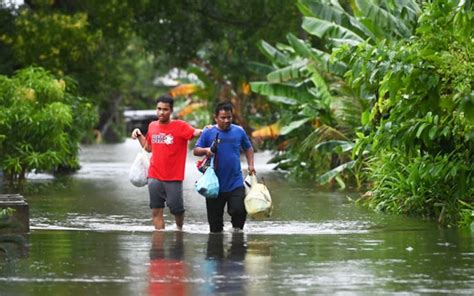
(314,106)
(403,75)
(323,112)
(114,50)
(218,35)
(5,213)
(216,40)
(92,42)
(422,123)
(366,93)
(41,123)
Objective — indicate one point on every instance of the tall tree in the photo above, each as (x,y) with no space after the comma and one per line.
(220,37)
(89,40)
(86,40)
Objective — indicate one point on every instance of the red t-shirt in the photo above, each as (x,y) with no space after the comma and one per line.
(169,144)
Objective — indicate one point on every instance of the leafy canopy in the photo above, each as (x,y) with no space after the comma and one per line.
(41,123)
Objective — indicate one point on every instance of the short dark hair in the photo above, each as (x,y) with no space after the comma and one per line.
(226,106)
(167,99)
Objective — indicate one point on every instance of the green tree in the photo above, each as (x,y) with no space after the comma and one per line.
(85,40)
(41,123)
(218,37)
(91,41)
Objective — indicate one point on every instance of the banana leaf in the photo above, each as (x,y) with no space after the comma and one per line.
(328,30)
(382,18)
(291,72)
(328,176)
(302,48)
(334,12)
(336,146)
(320,84)
(299,93)
(282,100)
(292,126)
(260,68)
(273,53)
(322,58)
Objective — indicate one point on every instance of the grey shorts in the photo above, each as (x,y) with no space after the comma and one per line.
(170,192)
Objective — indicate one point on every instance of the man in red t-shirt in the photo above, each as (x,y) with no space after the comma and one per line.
(167,140)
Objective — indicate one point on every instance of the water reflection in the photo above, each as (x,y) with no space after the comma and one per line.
(91,235)
(167,273)
(257,263)
(224,268)
(13,246)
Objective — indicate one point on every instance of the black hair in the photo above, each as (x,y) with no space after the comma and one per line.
(167,99)
(226,106)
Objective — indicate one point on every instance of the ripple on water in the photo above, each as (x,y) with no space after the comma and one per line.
(127,224)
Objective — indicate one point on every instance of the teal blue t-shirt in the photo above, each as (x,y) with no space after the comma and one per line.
(227,166)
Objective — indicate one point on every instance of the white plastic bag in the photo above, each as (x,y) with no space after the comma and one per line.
(258,202)
(138,174)
(248,184)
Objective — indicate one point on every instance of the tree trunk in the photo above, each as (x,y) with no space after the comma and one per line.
(110,124)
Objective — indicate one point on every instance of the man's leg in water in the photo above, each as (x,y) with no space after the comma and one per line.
(157,216)
(179,221)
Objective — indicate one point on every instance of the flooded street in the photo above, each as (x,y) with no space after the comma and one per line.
(91,234)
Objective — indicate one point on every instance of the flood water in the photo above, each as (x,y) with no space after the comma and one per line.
(91,234)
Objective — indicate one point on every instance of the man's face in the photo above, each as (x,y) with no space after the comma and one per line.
(163,112)
(223,119)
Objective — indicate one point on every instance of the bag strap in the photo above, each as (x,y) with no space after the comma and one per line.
(254,179)
(212,162)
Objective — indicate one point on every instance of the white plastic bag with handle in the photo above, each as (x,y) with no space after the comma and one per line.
(247,184)
(138,174)
(258,202)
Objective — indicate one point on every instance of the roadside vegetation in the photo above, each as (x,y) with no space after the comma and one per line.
(384,103)
(370,95)
(42,121)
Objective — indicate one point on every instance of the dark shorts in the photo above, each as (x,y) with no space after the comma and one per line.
(169,192)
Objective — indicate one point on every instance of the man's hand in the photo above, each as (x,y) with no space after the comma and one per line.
(251,170)
(136,133)
(197,132)
(209,151)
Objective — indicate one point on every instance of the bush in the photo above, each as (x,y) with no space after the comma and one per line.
(41,123)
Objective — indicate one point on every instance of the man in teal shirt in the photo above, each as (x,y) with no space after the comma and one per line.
(230,140)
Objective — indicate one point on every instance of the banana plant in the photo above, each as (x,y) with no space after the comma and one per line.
(309,83)
(306,85)
(371,21)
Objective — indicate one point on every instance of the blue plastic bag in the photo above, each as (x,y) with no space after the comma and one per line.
(208,184)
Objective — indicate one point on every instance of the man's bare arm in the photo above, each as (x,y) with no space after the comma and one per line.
(137,134)
(199,151)
(249,155)
(197,132)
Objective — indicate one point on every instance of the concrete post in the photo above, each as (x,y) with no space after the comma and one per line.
(19,221)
